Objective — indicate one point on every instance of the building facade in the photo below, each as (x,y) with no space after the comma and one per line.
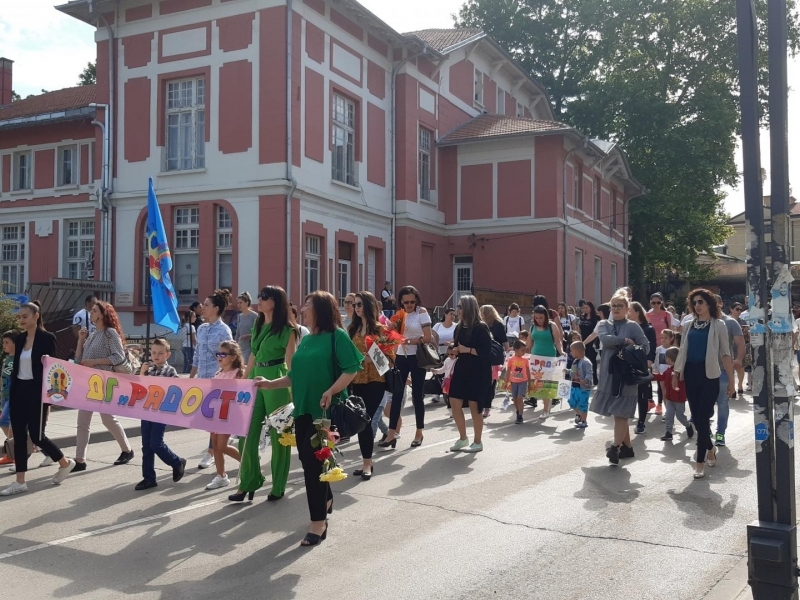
(308,144)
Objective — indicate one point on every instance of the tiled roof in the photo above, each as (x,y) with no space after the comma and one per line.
(441,39)
(490,126)
(50,102)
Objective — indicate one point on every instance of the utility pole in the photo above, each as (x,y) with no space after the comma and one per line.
(772,539)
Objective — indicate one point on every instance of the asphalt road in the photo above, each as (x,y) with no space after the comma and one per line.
(538,514)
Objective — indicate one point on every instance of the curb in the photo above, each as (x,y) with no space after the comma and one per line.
(733,585)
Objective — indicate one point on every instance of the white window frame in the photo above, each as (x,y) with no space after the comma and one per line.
(614,277)
(80,235)
(12,259)
(312,263)
(185,124)
(186,241)
(16,167)
(598,280)
(578,275)
(344,279)
(597,198)
(576,186)
(62,162)
(344,126)
(501,101)
(478,84)
(425,160)
(224,237)
(372,260)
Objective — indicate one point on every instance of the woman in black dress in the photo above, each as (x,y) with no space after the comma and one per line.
(637,314)
(497,328)
(588,322)
(472,374)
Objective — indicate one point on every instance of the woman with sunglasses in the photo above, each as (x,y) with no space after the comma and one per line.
(415,325)
(368,383)
(274,341)
(615,333)
(704,348)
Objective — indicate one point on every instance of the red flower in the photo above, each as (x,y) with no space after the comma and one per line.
(323,454)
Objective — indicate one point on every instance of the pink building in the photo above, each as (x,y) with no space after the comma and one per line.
(305,143)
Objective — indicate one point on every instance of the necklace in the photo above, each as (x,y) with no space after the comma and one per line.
(700,324)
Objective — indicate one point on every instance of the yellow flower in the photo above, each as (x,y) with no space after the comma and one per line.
(335,474)
(287,439)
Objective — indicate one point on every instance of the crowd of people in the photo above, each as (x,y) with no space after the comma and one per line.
(692,360)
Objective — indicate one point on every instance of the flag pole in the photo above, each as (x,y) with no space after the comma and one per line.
(149,319)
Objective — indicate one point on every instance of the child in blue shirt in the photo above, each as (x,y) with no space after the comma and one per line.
(581,374)
(5,389)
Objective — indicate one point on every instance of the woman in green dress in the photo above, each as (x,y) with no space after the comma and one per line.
(273,342)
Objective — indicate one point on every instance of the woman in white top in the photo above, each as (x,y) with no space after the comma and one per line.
(514,323)
(567,320)
(414,325)
(445,330)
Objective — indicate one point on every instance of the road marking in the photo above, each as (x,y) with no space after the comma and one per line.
(109,529)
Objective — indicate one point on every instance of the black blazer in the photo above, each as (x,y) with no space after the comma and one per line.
(44,344)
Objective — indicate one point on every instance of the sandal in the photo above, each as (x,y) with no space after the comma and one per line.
(312,539)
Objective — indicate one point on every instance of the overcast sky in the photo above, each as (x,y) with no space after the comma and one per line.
(50,50)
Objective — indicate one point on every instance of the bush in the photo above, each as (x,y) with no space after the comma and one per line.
(8,320)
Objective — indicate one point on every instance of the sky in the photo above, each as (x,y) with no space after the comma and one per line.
(50,50)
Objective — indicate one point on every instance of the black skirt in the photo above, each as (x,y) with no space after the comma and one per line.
(472,377)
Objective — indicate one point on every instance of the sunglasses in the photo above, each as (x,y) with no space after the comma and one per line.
(358,304)
(264,297)
(409,302)
(222,354)
(618,306)
(698,302)
(655,303)
(348,302)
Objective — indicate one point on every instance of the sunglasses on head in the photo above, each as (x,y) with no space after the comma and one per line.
(222,354)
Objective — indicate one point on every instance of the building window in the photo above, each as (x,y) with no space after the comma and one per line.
(67,165)
(12,273)
(344,140)
(313,259)
(614,208)
(22,171)
(614,282)
(501,102)
(224,249)
(186,124)
(598,280)
(596,198)
(345,271)
(80,249)
(187,257)
(425,163)
(478,87)
(578,275)
(577,190)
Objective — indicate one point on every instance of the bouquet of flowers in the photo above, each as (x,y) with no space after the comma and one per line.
(283,422)
(325,443)
(387,341)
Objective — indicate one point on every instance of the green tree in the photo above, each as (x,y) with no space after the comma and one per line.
(658,77)
(8,320)
(15,96)
(89,75)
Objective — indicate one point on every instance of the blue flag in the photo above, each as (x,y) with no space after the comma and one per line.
(165,302)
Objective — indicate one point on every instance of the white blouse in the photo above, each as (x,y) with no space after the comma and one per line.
(445,335)
(413,329)
(25,365)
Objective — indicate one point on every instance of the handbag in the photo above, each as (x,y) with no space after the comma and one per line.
(8,447)
(394,380)
(349,416)
(428,356)
(497,358)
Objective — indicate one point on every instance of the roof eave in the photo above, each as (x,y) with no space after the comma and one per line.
(75,114)
(78,9)
(505,136)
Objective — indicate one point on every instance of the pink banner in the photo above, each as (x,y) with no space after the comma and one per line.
(216,405)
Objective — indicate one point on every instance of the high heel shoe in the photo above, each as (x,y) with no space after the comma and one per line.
(383,438)
(368,476)
(239,496)
(273,498)
(417,443)
(392,444)
(312,539)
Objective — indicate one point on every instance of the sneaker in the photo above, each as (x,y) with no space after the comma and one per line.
(613,455)
(625,451)
(46,462)
(474,448)
(124,458)
(650,405)
(519,419)
(79,467)
(63,472)
(660,409)
(6,460)
(667,437)
(218,482)
(690,431)
(459,445)
(177,472)
(15,488)
(577,419)
(206,461)
(145,484)
(582,425)
(639,428)
(720,441)
(544,416)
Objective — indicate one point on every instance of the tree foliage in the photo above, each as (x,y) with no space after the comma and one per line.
(8,320)
(15,96)
(658,77)
(89,75)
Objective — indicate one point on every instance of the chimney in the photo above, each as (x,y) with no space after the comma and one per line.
(6,66)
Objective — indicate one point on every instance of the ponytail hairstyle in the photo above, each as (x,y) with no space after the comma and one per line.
(238,359)
(220,301)
(35,308)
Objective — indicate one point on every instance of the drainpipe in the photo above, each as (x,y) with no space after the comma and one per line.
(289,146)
(102,194)
(392,150)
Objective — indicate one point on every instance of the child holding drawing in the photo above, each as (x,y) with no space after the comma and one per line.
(518,375)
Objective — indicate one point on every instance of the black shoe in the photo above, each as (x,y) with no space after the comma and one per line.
(392,444)
(690,431)
(625,451)
(555,402)
(613,455)
(145,484)
(530,402)
(417,443)
(667,437)
(367,476)
(78,467)
(177,472)
(312,539)
(383,438)
(240,496)
(344,440)
(639,428)
(273,498)
(124,458)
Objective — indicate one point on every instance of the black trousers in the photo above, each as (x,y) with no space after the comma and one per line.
(645,395)
(408,365)
(591,354)
(372,394)
(28,417)
(701,392)
(317,492)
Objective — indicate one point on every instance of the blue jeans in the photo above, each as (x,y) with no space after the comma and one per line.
(188,357)
(5,415)
(723,403)
(378,416)
(152,445)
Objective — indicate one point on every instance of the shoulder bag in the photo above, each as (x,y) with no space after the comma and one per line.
(497,358)
(348,415)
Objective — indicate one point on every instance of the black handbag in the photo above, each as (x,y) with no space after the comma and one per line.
(394,380)
(428,356)
(349,417)
(498,355)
